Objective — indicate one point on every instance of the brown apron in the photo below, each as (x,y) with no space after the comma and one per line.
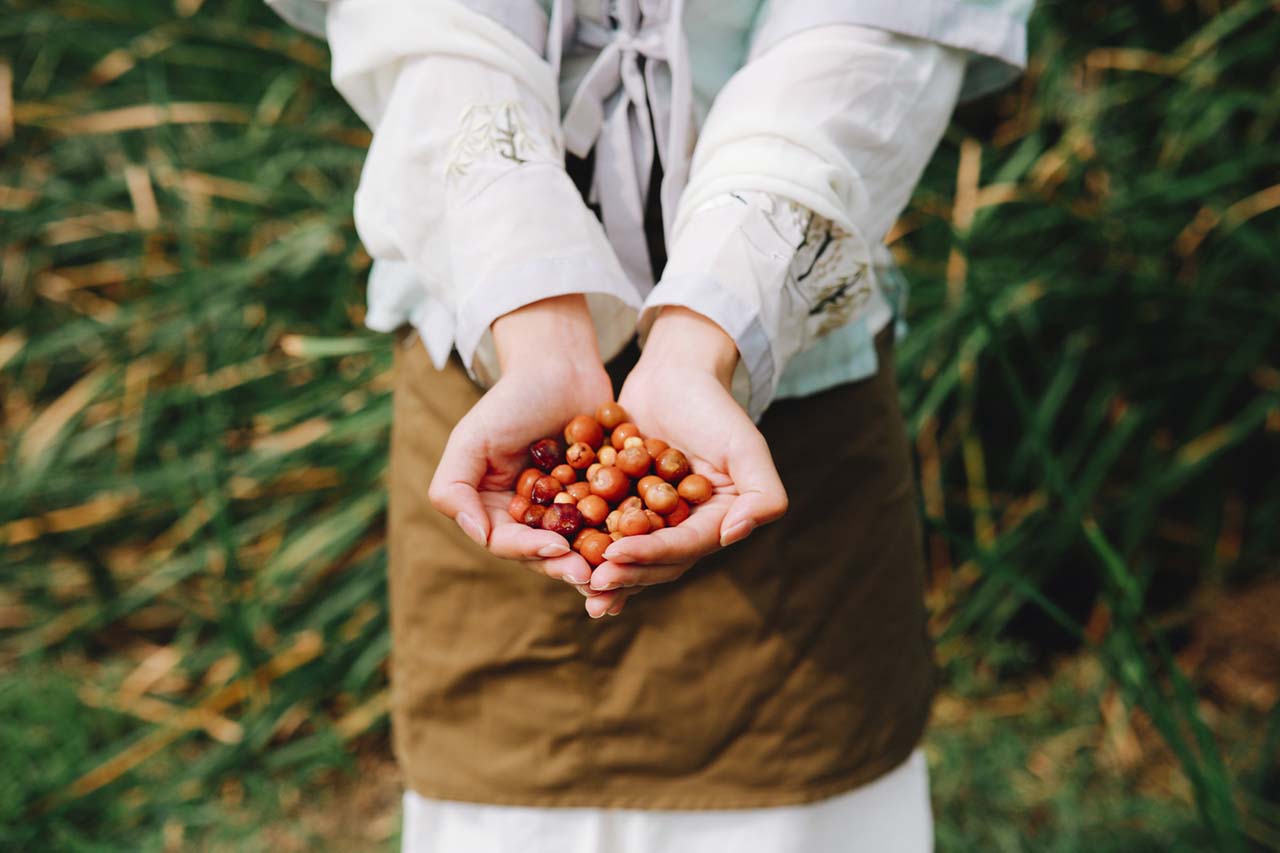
(788,668)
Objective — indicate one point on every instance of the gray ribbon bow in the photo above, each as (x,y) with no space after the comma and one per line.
(620,109)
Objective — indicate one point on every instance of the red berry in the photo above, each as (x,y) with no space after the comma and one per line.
(547,453)
(671,465)
(610,484)
(545,490)
(609,415)
(580,456)
(564,519)
(524,485)
(662,498)
(696,489)
(634,461)
(519,504)
(584,429)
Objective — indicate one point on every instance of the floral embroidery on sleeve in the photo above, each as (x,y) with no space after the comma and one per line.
(825,279)
(498,131)
(826,276)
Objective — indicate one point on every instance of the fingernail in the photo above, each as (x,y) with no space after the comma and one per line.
(620,559)
(601,586)
(472,528)
(593,615)
(579,578)
(737,533)
(615,609)
(552,549)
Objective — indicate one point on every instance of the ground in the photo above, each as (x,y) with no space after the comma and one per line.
(1055,762)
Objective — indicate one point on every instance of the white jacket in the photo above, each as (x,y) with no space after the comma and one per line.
(790,134)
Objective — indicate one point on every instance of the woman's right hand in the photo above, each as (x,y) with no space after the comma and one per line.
(551,371)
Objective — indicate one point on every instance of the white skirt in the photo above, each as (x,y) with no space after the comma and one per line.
(890,815)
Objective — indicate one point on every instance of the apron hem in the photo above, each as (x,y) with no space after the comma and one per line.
(595,799)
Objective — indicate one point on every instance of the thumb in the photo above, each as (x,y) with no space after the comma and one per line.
(453,490)
(761,496)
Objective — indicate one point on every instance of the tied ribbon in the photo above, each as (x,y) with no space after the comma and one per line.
(619,109)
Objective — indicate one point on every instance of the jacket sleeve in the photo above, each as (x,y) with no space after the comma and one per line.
(808,155)
(465,181)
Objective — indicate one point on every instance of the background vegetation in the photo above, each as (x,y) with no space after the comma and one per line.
(194,425)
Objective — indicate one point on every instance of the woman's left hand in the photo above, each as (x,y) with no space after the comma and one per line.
(679,392)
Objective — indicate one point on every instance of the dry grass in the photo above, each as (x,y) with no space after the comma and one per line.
(193,428)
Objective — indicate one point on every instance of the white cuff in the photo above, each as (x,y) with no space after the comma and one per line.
(520,234)
(775,276)
(755,377)
(610,298)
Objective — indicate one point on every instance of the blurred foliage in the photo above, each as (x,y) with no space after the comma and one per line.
(194,426)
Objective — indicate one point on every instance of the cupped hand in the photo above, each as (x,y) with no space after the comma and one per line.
(679,392)
(534,398)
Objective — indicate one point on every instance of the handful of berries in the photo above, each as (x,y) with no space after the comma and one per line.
(605,481)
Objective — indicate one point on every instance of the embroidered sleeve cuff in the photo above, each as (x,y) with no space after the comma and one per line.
(610,297)
(730,262)
(773,274)
(754,378)
(552,247)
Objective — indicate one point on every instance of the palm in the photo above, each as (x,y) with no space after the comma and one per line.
(489,447)
(517,411)
(693,413)
(691,410)
(521,409)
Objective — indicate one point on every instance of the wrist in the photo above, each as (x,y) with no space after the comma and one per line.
(560,324)
(686,340)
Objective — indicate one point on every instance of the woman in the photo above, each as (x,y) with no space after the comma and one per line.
(546,182)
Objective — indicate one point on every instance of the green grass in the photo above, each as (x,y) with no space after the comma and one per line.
(193,427)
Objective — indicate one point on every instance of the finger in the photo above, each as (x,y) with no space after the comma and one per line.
(695,537)
(570,568)
(720,481)
(512,540)
(541,551)
(453,487)
(610,576)
(761,496)
(624,595)
(610,603)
